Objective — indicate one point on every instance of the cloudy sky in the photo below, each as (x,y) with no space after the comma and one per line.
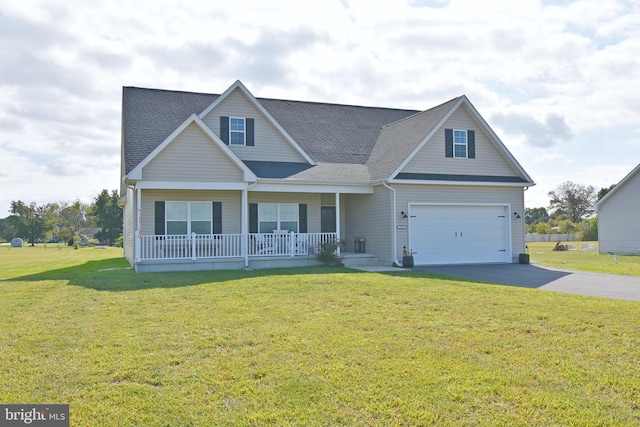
(559,81)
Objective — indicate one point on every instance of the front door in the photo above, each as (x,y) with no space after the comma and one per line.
(327,219)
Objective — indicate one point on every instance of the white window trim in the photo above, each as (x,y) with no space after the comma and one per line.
(244,131)
(279,219)
(466,144)
(189,219)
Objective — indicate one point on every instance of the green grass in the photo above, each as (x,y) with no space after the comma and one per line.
(312,346)
(589,260)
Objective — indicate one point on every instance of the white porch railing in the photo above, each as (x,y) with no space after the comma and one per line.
(287,244)
(191,246)
(199,246)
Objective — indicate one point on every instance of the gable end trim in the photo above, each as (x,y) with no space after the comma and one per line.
(136,173)
(238,85)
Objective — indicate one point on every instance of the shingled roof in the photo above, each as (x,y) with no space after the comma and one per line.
(345,141)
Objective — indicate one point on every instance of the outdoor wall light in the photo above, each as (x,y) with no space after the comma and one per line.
(516,214)
(403,214)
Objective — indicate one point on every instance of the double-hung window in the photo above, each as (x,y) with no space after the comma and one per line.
(460,143)
(273,216)
(189,217)
(237,131)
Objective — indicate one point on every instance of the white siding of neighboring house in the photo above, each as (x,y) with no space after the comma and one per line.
(369,216)
(231,201)
(619,220)
(128,231)
(512,196)
(270,145)
(192,157)
(488,160)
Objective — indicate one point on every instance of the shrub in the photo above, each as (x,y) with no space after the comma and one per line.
(327,253)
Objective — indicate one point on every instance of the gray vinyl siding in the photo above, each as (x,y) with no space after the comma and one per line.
(618,220)
(431,159)
(270,145)
(128,225)
(312,201)
(369,216)
(328,199)
(231,201)
(512,196)
(192,157)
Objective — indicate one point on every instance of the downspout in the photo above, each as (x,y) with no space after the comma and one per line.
(393,223)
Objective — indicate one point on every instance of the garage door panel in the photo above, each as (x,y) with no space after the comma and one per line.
(458,234)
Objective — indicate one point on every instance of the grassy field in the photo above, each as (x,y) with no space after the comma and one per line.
(311,346)
(587,260)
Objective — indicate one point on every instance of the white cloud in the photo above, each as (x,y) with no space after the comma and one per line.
(537,133)
(549,75)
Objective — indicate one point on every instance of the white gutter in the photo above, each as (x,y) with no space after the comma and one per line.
(394,224)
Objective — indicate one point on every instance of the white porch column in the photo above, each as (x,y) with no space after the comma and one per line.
(338,221)
(245,225)
(138,227)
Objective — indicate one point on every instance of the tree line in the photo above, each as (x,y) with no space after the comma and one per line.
(62,221)
(571,210)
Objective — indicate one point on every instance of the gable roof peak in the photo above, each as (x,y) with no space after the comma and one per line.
(237,85)
(617,187)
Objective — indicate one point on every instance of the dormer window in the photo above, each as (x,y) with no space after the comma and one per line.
(236,131)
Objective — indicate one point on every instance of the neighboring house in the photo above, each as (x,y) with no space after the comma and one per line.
(618,219)
(231,181)
(87,233)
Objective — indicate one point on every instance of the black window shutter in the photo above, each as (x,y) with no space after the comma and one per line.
(302,217)
(471,143)
(448,142)
(217,217)
(253,217)
(224,129)
(250,133)
(159,214)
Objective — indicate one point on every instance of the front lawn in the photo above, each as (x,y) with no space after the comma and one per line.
(311,346)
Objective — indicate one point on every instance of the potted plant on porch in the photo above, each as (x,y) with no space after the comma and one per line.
(407,257)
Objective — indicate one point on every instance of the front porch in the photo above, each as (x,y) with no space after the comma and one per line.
(234,251)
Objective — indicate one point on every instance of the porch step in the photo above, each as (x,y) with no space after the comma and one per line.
(356,260)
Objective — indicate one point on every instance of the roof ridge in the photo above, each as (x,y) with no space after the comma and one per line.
(170,90)
(278,99)
(423,112)
(337,104)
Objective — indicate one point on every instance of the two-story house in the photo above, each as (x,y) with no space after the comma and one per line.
(212,181)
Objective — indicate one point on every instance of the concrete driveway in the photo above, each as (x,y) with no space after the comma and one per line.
(533,276)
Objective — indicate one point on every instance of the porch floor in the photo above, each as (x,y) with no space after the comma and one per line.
(349,260)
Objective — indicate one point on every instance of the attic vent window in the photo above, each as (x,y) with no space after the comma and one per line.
(459,143)
(236,131)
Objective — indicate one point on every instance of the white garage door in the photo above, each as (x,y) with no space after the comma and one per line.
(459,234)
